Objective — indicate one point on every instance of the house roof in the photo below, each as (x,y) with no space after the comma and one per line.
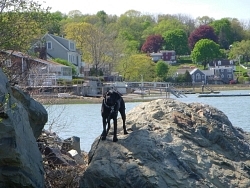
(193,71)
(208,72)
(61,41)
(165,51)
(223,62)
(23,55)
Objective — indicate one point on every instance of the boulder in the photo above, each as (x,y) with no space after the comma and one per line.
(171,144)
(38,116)
(20,159)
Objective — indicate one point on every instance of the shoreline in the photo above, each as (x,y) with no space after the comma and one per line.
(48,100)
(89,100)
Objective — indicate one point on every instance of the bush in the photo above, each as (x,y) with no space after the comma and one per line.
(78,81)
(241,79)
(247,79)
(245,74)
(185,61)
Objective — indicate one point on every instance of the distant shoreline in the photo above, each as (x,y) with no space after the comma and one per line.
(128,97)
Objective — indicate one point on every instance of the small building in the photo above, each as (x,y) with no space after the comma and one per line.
(52,47)
(168,56)
(223,70)
(222,75)
(222,63)
(198,76)
(31,71)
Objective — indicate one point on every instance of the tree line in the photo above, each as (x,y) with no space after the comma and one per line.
(123,42)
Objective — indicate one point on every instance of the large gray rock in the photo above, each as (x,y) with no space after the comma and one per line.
(20,159)
(172,144)
(38,116)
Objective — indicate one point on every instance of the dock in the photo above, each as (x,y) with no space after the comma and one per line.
(224,95)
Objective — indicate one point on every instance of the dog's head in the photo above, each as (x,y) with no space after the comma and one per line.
(112,97)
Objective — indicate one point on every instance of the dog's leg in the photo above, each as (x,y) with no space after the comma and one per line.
(108,121)
(104,133)
(123,123)
(115,130)
(123,115)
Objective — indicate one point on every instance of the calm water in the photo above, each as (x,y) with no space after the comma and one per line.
(84,120)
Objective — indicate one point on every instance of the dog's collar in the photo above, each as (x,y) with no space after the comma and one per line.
(111,107)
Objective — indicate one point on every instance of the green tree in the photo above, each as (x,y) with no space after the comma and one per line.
(102,16)
(176,40)
(204,20)
(188,77)
(94,43)
(223,30)
(240,49)
(166,25)
(130,27)
(136,67)
(75,15)
(204,51)
(21,22)
(237,30)
(161,70)
(54,23)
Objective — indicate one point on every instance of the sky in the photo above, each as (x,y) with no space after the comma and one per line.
(216,9)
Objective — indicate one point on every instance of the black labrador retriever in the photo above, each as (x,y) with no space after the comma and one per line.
(111,104)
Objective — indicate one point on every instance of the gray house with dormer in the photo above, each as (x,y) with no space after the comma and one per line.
(197,76)
(223,70)
(52,47)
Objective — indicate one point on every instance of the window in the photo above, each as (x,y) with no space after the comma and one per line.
(222,70)
(66,71)
(231,62)
(229,75)
(222,76)
(198,76)
(71,46)
(72,58)
(7,62)
(49,45)
(219,62)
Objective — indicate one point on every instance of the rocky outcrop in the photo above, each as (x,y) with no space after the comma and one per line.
(37,114)
(172,144)
(20,159)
